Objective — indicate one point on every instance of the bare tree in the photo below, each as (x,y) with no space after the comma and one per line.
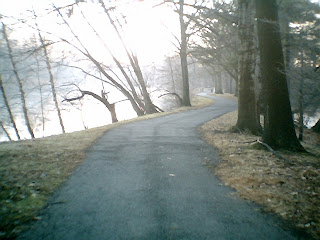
(19,80)
(51,78)
(138,105)
(103,99)
(133,59)
(183,56)
(6,102)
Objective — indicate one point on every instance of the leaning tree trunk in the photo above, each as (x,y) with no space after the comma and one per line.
(6,103)
(279,129)
(5,131)
(149,106)
(247,108)
(183,58)
(104,100)
(16,74)
(316,127)
(101,68)
(52,84)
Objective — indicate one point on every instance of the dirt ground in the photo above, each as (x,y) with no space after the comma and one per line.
(290,187)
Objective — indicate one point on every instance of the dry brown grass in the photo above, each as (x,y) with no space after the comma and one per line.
(32,169)
(291,191)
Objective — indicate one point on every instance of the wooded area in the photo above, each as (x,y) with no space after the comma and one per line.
(265,52)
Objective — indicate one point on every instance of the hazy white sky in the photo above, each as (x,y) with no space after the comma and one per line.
(149,29)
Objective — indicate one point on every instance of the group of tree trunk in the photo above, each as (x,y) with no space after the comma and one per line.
(257,61)
(18,74)
(278,129)
(127,78)
(246,40)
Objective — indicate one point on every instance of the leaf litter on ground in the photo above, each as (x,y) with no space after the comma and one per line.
(290,190)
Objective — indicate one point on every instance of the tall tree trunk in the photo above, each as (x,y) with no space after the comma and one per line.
(287,52)
(6,103)
(247,108)
(16,74)
(279,129)
(301,99)
(41,97)
(218,84)
(150,108)
(183,58)
(52,84)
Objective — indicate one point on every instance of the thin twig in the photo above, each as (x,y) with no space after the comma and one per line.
(275,153)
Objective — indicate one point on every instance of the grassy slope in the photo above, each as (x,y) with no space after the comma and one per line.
(290,190)
(32,169)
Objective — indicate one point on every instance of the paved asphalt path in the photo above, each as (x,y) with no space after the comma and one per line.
(148,180)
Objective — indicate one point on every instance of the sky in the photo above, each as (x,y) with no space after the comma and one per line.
(150,29)
(149,33)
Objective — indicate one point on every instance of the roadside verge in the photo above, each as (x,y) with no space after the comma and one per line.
(31,170)
(290,190)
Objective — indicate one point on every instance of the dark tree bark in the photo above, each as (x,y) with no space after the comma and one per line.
(183,57)
(6,102)
(279,132)
(316,127)
(247,108)
(301,99)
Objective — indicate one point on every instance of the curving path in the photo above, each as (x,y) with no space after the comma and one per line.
(148,180)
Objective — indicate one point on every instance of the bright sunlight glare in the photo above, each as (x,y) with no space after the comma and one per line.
(149,33)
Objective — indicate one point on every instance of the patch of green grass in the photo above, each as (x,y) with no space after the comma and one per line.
(31,170)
